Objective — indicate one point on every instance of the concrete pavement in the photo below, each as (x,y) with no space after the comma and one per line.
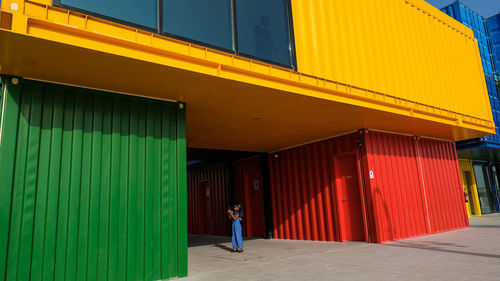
(468,254)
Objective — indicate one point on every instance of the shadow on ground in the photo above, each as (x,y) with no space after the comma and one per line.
(217,241)
(440,247)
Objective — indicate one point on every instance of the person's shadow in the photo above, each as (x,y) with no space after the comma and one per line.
(229,249)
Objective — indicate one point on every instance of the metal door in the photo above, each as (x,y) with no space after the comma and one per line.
(349,198)
(254,205)
(205,208)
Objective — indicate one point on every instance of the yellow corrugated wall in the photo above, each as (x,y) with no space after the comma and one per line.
(466,166)
(403,48)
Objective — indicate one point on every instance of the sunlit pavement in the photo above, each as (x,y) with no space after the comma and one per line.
(468,254)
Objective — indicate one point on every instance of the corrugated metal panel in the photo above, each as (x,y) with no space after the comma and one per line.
(411,187)
(8,132)
(402,48)
(97,193)
(479,26)
(396,187)
(217,201)
(443,185)
(482,33)
(302,187)
(416,188)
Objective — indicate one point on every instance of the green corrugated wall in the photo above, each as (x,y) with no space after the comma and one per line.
(93,185)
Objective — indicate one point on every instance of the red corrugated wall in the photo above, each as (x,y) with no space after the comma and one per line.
(442,179)
(217,179)
(303,201)
(395,191)
(415,188)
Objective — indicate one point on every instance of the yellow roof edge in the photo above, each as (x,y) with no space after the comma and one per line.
(441,16)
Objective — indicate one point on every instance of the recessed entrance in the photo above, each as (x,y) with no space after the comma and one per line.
(218,178)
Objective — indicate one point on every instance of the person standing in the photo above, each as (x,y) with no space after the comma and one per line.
(236,215)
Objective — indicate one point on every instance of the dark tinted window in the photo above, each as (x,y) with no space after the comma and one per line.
(207,21)
(262,28)
(141,12)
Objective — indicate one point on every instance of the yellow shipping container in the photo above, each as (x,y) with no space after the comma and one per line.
(403,48)
(391,65)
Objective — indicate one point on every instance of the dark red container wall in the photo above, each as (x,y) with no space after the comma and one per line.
(240,168)
(415,190)
(217,179)
(302,190)
(442,181)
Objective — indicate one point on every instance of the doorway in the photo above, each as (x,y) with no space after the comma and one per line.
(468,184)
(205,208)
(484,188)
(349,198)
(254,202)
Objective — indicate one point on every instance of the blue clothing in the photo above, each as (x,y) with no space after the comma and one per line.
(237,237)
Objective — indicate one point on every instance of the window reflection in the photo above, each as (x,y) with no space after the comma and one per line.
(140,12)
(264,43)
(263,31)
(208,21)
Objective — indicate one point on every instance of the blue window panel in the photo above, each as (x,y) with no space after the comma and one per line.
(207,21)
(263,30)
(494,29)
(139,12)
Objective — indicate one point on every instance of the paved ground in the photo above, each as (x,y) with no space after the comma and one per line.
(469,254)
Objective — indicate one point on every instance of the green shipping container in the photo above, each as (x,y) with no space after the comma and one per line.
(92,185)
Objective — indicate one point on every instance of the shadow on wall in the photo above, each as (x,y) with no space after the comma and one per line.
(378,196)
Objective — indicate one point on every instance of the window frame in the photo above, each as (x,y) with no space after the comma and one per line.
(235,50)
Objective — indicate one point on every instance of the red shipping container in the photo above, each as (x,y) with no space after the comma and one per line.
(390,187)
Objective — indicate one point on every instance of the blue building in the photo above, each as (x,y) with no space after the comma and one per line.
(484,152)
(493,24)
